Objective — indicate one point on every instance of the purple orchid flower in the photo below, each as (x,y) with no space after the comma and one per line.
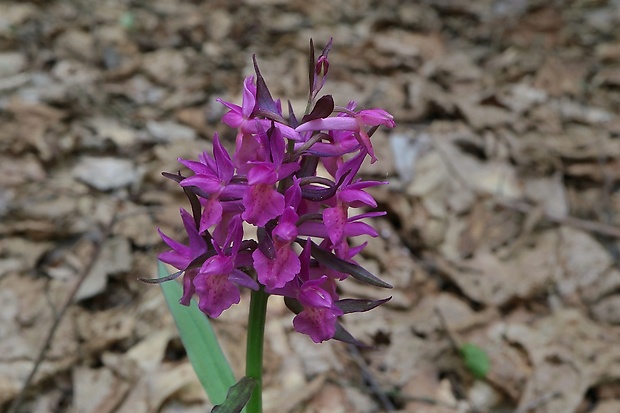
(349,194)
(181,256)
(271,182)
(277,271)
(213,177)
(274,272)
(239,116)
(244,119)
(319,315)
(216,281)
(262,201)
(318,318)
(356,123)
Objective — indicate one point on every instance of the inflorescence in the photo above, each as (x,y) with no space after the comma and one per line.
(302,219)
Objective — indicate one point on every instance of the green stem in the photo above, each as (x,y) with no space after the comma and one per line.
(254,350)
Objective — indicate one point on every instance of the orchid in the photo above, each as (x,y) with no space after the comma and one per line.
(302,220)
(181,256)
(216,279)
(212,176)
(356,123)
(318,318)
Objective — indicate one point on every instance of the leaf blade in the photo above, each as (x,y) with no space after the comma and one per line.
(200,342)
(237,397)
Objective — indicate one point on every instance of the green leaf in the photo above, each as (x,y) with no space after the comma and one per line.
(238,396)
(476,360)
(201,345)
(127,21)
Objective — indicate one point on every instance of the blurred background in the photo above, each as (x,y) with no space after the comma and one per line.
(502,227)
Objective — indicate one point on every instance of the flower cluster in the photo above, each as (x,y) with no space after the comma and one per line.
(302,219)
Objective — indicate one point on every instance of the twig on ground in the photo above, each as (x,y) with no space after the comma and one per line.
(430,401)
(17,402)
(454,342)
(539,401)
(375,388)
(606,209)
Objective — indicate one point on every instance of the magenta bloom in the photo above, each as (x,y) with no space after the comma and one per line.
(216,280)
(302,220)
(262,201)
(212,176)
(318,318)
(349,194)
(215,292)
(239,117)
(275,272)
(181,256)
(355,123)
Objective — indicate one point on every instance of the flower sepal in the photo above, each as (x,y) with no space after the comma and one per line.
(338,264)
(354,305)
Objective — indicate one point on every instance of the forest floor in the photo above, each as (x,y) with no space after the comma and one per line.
(503,211)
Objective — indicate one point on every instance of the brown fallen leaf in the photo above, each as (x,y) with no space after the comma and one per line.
(97,390)
(558,77)
(487,279)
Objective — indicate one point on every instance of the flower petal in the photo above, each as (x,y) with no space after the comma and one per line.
(249,96)
(312,295)
(333,123)
(188,286)
(375,117)
(208,183)
(211,214)
(196,167)
(356,198)
(225,168)
(276,273)
(335,220)
(262,203)
(318,323)
(241,278)
(178,261)
(197,244)
(215,294)
(262,173)
(286,230)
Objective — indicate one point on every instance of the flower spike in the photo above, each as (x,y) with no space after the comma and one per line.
(302,219)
